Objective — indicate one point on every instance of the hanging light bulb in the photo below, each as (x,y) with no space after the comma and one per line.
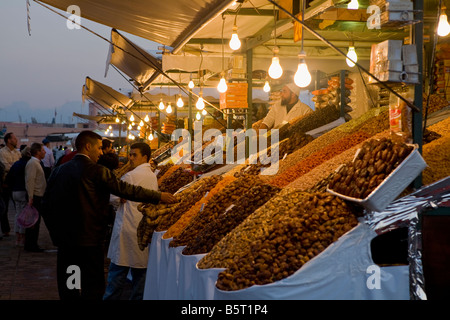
(204,112)
(117,120)
(275,70)
(198,116)
(169,108)
(150,137)
(141,124)
(222,86)
(191,84)
(111,134)
(266,87)
(132,118)
(353,5)
(200,105)
(161,105)
(235,43)
(146,119)
(130,127)
(352,55)
(443,27)
(302,77)
(180,102)
(106,132)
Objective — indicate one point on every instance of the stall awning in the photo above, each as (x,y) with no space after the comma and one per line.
(132,60)
(169,22)
(105,96)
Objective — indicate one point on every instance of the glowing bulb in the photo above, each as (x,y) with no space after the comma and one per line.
(352,55)
(139,127)
(161,105)
(200,103)
(146,119)
(275,70)
(106,131)
(191,84)
(130,127)
(198,116)
(266,87)
(111,135)
(204,112)
(302,77)
(443,26)
(131,118)
(235,43)
(150,137)
(180,102)
(110,127)
(222,86)
(169,108)
(117,120)
(353,5)
(141,124)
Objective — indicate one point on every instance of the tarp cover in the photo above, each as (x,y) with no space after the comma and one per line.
(105,96)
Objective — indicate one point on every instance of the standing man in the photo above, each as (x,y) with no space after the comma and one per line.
(76,215)
(35,184)
(8,155)
(124,250)
(49,159)
(287,109)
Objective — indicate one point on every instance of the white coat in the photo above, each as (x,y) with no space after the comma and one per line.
(277,114)
(123,248)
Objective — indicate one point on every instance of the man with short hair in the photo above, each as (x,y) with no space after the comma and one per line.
(288,108)
(35,184)
(8,155)
(49,159)
(76,214)
(124,250)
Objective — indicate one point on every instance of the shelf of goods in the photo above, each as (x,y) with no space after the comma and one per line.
(244,235)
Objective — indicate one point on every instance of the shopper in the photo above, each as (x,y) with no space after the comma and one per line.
(78,229)
(123,250)
(288,108)
(8,155)
(16,180)
(35,184)
(49,159)
(107,146)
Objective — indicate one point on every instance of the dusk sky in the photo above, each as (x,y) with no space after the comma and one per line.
(47,70)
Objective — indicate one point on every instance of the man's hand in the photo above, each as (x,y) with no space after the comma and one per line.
(167,197)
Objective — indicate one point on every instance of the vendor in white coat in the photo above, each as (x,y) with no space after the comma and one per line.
(288,108)
(123,250)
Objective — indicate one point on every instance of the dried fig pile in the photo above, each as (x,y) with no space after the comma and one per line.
(292,240)
(230,219)
(374,162)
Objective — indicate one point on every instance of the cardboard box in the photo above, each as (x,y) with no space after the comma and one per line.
(409,54)
(390,50)
(392,65)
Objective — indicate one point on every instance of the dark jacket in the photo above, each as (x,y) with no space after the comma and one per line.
(75,204)
(15,179)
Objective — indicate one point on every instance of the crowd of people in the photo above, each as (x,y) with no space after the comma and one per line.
(84,178)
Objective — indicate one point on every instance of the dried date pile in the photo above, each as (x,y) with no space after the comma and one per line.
(230,219)
(177,179)
(292,240)
(374,162)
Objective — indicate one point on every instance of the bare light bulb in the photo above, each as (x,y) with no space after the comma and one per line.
(266,87)
(302,77)
(130,127)
(161,105)
(146,119)
(200,105)
(443,26)
(352,55)
(131,118)
(169,108)
(180,102)
(150,137)
(222,86)
(275,70)
(198,116)
(191,84)
(204,112)
(235,43)
(117,120)
(353,5)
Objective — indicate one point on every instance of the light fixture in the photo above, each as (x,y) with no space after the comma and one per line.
(146,119)
(204,112)
(266,87)
(132,118)
(302,77)
(141,124)
(198,116)
(111,134)
(222,86)
(138,127)
(169,108)
(180,102)
(352,55)
(353,5)
(161,105)
(110,127)
(200,105)
(275,70)
(191,84)
(117,120)
(150,137)
(235,43)
(130,127)
(443,27)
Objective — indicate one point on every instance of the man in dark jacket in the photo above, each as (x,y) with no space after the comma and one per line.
(76,215)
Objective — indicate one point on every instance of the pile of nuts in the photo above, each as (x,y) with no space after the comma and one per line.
(374,162)
(163,169)
(215,206)
(230,219)
(177,179)
(292,240)
(314,120)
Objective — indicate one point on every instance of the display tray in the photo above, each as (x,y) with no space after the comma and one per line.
(392,185)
